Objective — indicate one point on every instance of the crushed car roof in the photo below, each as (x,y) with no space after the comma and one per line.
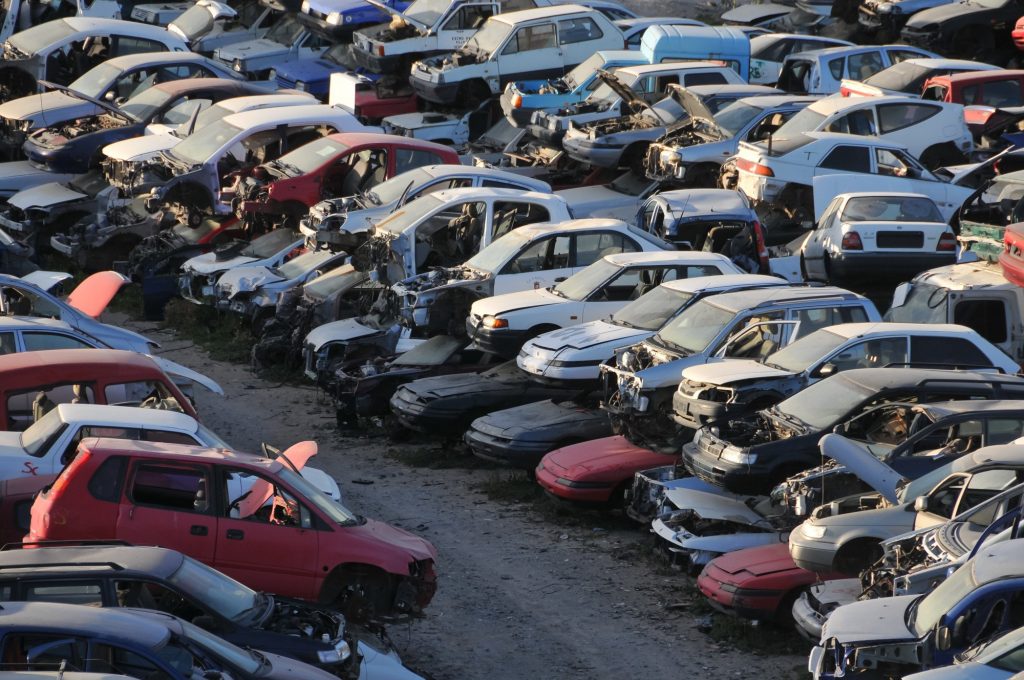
(702,202)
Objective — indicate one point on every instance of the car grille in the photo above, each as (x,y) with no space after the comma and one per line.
(285,83)
(701,470)
(899,239)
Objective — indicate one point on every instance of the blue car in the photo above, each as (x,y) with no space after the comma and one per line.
(522,97)
(314,75)
(341,17)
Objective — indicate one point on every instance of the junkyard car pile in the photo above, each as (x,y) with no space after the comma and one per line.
(643,260)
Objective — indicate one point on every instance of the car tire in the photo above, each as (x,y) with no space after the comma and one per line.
(473,93)
(803,269)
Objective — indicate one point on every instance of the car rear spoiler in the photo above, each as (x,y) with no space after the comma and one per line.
(855,88)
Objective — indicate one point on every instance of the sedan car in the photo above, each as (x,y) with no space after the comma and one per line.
(823,71)
(908,77)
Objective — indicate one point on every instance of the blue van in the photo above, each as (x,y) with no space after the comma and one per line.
(705,43)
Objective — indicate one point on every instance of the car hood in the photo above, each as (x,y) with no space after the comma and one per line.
(862,463)
(54,104)
(600,201)
(93,294)
(895,520)
(10,444)
(760,561)
(726,371)
(712,506)
(590,335)
(248,279)
(531,422)
(44,196)
(881,619)
(174,369)
(753,13)
(416,547)
(510,302)
(261,47)
(943,13)
(147,145)
(339,331)
(306,69)
(605,454)
(207,263)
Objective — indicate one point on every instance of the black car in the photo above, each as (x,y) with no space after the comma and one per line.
(750,455)
(167,581)
(76,146)
(966,29)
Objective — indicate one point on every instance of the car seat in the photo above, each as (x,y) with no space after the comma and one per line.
(648,282)
(354,178)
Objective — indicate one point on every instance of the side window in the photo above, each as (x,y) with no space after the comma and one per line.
(1002,93)
(892,117)
(592,247)
(182,71)
(746,342)
(934,93)
(947,352)
(469,17)
(130,45)
(896,56)
(942,501)
(43,652)
(1003,430)
(439,186)
(19,404)
(836,67)
(35,341)
(65,593)
(509,216)
(263,501)
(105,484)
(860,122)
(407,159)
(149,393)
(890,164)
(984,485)
(546,254)
(177,488)
(149,595)
(167,437)
(987,317)
(7,345)
(849,158)
(864,65)
(713,78)
(876,353)
(498,184)
(825,221)
(622,287)
(580,29)
(969,94)
(816,318)
(184,110)
(111,659)
(531,38)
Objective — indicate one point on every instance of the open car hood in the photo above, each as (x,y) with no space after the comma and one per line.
(713,506)
(695,108)
(173,368)
(131,149)
(627,95)
(339,331)
(862,463)
(44,196)
(93,295)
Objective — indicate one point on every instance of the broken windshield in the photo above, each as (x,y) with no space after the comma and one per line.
(143,105)
(651,311)
(583,71)
(822,404)
(694,329)
(924,304)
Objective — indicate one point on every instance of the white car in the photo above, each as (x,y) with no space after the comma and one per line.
(934,132)
(870,235)
(528,258)
(908,77)
(783,175)
(502,323)
(51,442)
(328,221)
(530,44)
(768,52)
(252,290)
(574,354)
(823,71)
(198,279)
(227,107)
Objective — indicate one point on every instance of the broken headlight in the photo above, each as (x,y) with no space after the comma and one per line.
(341,652)
(735,455)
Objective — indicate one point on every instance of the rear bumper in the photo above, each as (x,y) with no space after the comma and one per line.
(734,477)
(585,151)
(808,622)
(902,265)
(573,490)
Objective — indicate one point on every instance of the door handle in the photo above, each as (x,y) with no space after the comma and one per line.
(235,534)
(199,530)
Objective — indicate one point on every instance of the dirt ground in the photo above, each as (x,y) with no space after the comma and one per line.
(526,589)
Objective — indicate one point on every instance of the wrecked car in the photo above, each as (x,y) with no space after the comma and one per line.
(692,152)
(289,38)
(500,324)
(209,24)
(529,257)
(969,30)
(479,135)
(640,381)
(769,51)
(198,279)
(823,71)
(330,221)
(731,389)
(984,216)
(281,192)
(884,19)
(909,76)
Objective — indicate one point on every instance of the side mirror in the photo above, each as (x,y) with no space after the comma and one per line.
(943,639)
(827,370)
(921,504)
(109,96)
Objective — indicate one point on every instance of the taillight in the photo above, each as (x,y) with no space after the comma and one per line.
(517,101)
(762,247)
(756,168)
(947,243)
(380,50)
(61,483)
(851,241)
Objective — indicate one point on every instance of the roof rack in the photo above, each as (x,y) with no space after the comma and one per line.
(64,543)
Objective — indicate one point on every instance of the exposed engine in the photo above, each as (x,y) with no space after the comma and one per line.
(302,621)
(757,429)
(806,490)
(398,29)
(56,135)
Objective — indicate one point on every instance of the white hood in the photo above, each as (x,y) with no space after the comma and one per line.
(712,506)
(261,47)
(10,444)
(44,196)
(246,279)
(207,263)
(46,108)
(589,335)
(862,463)
(879,620)
(174,369)
(510,302)
(725,371)
(338,331)
(139,148)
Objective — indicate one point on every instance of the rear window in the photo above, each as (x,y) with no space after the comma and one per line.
(781,147)
(105,484)
(947,352)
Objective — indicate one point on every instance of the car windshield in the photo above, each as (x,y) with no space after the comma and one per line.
(824,403)
(926,611)
(494,256)
(303,263)
(219,592)
(341,55)
(204,142)
(409,214)
(210,439)
(803,353)
(488,38)
(34,440)
(891,209)
(391,190)
(904,77)
(427,11)
(736,116)
(694,329)
(333,510)
(286,31)
(237,658)
(309,157)
(210,115)
(924,304)
(36,38)
(605,92)
(145,104)
(195,22)
(583,283)
(94,82)
(269,244)
(803,121)
(651,311)
(583,71)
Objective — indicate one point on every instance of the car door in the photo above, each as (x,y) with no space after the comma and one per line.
(576,38)
(257,518)
(170,500)
(538,265)
(531,53)
(461,24)
(813,253)
(901,172)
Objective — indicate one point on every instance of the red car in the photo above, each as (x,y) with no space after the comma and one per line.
(980,92)
(598,471)
(756,583)
(1012,258)
(253,518)
(339,165)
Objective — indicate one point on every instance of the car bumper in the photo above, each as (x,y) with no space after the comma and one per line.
(585,151)
(925,39)
(735,477)
(807,621)
(519,116)
(439,93)
(192,289)
(901,266)
(376,63)
(576,491)
(812,556)
(517,454)
(422,416)
(696,413)
(727,598)
(504,342)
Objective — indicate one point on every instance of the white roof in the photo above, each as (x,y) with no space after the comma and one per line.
(130,416)
(484,193)
(119,26)
(288,114)
(830,105)
(854,330)
(237,104)
(443,170)
(644,69)
(724,282)
(665,257)
(940,62)
(531,231)
(128,61)
(539,13)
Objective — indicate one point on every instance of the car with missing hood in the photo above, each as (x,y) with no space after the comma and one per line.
(198,278)
(290,37)
(209,24)
(500,324)
(730,389)
(165,580)
(913,632)
(769,51)
(823,71)
(971,30)
(531,257)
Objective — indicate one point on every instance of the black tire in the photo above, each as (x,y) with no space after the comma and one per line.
(827,265)
(803,268)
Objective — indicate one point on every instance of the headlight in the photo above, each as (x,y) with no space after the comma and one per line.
(671,157)
(305,7)
(734,455)
(884,8)
(494,322)
(273,74)
(237,65)
(340,653)
(815,531)
(334,18)
(300,86)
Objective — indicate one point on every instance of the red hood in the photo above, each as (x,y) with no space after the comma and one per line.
(93,295)
(417,548)
(608,456)
(759,561)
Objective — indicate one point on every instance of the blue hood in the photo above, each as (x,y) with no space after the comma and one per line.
(356,11)
(308,70)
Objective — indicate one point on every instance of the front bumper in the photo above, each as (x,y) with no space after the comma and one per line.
(193,288)
(423,416)
(517,454)
(437,92)
(376,63)
(735,477)
(898,266)
(808,622)
(503,342)
(586,151)
(575,491)
(696,413)
(811,555)
(727,597)
(925,39)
